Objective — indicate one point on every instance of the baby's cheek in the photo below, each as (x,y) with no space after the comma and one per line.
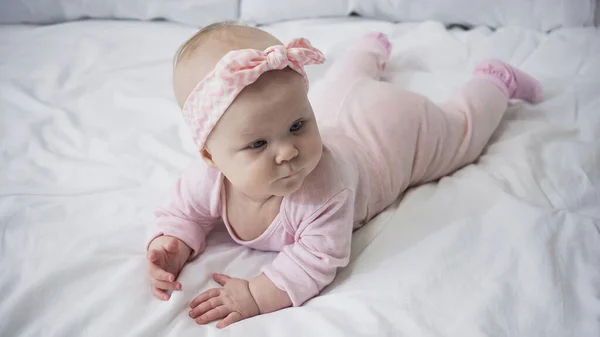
(314,146)
(258,172)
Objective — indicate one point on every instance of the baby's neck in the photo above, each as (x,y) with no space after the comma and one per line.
(249,216)
(257,201)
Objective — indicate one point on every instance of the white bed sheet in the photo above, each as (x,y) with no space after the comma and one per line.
(91,140)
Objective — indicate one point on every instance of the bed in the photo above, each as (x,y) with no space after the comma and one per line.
(91,140)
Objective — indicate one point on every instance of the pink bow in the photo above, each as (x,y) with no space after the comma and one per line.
(237,69)
(247,65)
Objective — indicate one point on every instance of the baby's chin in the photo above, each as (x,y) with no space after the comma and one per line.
(286,189)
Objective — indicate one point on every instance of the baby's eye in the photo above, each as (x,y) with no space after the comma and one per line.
(297,125)
(258,144)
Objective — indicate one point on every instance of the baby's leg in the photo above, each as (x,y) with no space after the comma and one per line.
(455,133)
(367,58)
(364,60)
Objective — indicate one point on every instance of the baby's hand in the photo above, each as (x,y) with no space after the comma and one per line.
(233,302)
(166,257)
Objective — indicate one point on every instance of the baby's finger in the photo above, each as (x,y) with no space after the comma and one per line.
(221,278)
(218,312)
(166,285)
(205,296)
(172,247)
(205,306)
(154,256)
(160,294)
(159,274)
(230,319)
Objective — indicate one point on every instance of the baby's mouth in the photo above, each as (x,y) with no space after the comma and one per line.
(291,174)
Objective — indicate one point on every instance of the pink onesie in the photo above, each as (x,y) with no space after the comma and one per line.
(378,140)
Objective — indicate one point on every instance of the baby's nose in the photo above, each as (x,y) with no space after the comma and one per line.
(286,153)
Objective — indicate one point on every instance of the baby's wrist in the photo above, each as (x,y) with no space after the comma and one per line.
(255,292)
(267,296)
(183,246)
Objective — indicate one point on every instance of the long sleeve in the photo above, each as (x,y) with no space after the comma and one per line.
(191,210)
(322,244)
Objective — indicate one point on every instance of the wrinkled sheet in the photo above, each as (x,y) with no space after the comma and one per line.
(91,139)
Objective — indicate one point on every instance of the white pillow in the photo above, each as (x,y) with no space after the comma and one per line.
(192,12)
(269,11)
(597,21)
(541,15)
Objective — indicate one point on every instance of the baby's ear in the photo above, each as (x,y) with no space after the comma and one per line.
(207,157)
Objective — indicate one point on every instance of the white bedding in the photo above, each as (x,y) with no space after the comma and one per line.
(91,140)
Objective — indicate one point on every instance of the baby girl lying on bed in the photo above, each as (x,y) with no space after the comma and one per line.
(280,181)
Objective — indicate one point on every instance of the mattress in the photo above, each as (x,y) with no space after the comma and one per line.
(91,140)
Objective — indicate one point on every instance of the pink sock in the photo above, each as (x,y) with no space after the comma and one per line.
(512,81)
(378,44)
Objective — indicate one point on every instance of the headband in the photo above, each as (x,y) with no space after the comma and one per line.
(213,95)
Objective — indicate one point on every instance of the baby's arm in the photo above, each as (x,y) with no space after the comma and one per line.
(190,212)
(299,272)
(322,245)
(181,227)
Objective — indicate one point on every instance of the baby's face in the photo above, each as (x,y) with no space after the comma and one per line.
(267,142)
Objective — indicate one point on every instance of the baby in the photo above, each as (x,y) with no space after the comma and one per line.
(280,181)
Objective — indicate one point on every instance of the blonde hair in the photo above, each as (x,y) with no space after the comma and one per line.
(196,40)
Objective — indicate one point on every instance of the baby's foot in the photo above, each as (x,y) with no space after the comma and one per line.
(378,44)
(514,82)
